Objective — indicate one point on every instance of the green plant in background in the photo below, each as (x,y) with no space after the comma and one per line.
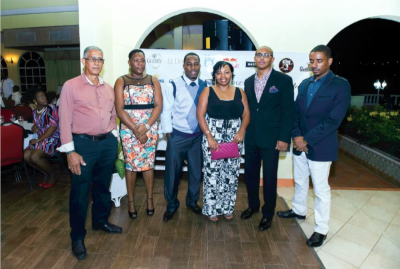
(119,162)
(375,127)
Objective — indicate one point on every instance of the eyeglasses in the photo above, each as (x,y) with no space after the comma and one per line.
(95,60)
(266,55)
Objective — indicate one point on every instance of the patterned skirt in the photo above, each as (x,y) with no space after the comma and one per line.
(220,176)
(138,156)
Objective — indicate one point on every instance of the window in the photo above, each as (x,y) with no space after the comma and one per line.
(3,66)
(31,70)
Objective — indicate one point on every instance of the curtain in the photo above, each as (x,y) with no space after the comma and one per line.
(60,67)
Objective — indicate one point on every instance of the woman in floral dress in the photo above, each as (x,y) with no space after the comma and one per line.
(138,102)
(45,119)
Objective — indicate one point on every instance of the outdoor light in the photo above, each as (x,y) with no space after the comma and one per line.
(379,87)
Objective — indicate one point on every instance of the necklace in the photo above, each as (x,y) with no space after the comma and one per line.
(40,111)
(139,79)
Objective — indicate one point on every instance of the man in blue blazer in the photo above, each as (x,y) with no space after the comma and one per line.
(271,103)
(320,107)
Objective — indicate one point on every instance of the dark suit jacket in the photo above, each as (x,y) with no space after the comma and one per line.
(319,123)
(272,118)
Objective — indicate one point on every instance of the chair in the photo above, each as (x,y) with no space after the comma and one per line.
(12,151)
(23,111)
(6,113)
(56,157)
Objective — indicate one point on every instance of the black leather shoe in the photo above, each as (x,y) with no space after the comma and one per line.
(265,223)
(79,249)
(196,209)
(168,215)
(316,240)
(248,213)
(289,214)
(108,228)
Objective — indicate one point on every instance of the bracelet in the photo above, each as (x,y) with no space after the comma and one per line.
(69,152)
(147,126)
(207,132)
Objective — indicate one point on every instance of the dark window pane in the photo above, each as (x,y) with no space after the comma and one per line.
(22,72)
(43,79)
(23,87)
(35,56)
(29,80)
(23,80)
(28,72)
(41,62)
(43,72)
(36,72)
(32,63)
(22,62)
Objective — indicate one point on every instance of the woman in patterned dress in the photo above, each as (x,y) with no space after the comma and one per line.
(45,119)
(223,115)
(138,102)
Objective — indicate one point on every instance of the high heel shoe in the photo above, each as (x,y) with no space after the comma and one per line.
(150,212)
(42,184)
(133,215)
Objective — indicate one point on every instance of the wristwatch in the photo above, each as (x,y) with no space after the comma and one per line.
(147,126)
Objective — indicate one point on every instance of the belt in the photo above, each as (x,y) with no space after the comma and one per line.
(93,137)
(141,106)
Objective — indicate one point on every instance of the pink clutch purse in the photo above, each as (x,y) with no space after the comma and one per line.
(226,150)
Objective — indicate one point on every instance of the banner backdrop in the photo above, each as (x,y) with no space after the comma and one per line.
(168,64)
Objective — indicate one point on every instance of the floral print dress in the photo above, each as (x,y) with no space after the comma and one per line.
(139,104)
(43,121)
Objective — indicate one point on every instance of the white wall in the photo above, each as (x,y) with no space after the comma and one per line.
(119,26)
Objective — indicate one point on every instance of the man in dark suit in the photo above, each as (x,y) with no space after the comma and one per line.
(320,107)
(271,103)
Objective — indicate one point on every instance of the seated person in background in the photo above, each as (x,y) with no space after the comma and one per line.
(16,96)
(45,119)
(52,98)
(25,100)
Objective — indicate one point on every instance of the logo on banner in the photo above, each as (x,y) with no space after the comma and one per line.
(158,77)
(306,68)
(232,61)
(251,64)
(154,60)
(208,61)
(175,61)
(286,65)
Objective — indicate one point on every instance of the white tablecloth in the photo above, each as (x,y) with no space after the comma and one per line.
(26,140)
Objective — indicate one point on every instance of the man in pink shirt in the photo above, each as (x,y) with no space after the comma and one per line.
(88,136)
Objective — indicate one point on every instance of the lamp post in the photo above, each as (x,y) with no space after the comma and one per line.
(379,87)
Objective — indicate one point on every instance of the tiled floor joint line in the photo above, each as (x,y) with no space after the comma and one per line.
(379,228)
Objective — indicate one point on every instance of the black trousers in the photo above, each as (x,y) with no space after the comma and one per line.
(99,157)
(180,148)
(270,158)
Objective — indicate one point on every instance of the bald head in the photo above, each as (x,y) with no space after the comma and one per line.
(265,47)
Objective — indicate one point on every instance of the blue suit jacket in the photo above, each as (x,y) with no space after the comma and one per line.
(319,123)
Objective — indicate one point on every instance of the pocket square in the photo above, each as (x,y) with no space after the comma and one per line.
(273,89)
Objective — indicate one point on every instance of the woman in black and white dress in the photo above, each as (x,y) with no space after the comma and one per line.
(223,115)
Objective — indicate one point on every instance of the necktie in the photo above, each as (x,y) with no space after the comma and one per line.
(192,84)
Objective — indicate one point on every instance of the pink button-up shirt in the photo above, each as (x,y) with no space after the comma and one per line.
(85,109)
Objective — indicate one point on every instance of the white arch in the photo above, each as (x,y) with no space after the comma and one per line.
(193,9)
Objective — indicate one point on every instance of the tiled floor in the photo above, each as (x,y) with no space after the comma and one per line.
(364,228)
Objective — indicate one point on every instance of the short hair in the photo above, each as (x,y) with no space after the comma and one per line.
(135,51)
(86,51)
(15,88)
(190,54)
(324,49)
(51,96)
(219,65)
(272,52)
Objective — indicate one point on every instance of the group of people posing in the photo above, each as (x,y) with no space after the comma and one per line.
(196,120)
